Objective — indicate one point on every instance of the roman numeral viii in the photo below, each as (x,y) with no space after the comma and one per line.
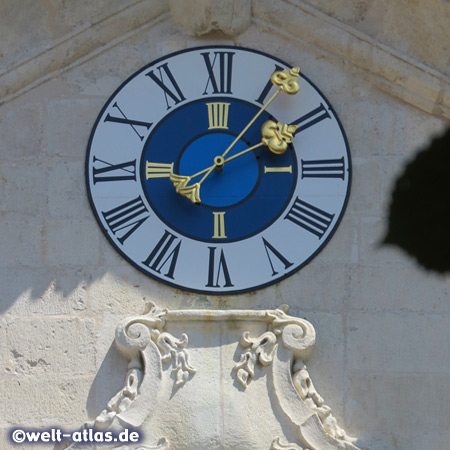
(309,217)
(126,218)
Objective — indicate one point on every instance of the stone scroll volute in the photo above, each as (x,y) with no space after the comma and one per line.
(219,379)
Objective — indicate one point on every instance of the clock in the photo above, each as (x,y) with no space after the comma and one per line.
(218,170)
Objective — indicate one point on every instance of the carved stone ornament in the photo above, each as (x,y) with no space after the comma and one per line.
(219,379)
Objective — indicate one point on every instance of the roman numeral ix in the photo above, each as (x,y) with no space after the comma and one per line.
(113,172)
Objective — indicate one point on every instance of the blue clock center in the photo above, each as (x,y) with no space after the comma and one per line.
(234,182)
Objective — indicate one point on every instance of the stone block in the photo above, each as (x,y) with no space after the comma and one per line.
(412,409)
(38,291)
(398,343)
(118,292)
(72,243)
(61,139)
(66,186)
(319,286)
(21,131)
(22,242)
(23,188)
(397,286)
(50,345)
(45,401)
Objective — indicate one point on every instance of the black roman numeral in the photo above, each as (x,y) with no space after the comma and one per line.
(220,73)
(270,249)
(165,252)
(323,168)
(214,275)
(310,119)
(114,172)
(126,218)
(309,217)
(269,85)
(173,92)
(124,119)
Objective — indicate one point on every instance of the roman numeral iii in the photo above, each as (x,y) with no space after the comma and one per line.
(323,168)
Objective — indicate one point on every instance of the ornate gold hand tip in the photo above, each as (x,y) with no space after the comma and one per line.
(179,181)
(191,192)
(286,80)
(277,136)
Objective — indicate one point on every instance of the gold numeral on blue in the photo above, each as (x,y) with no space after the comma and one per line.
(286,169)
(219,225)
(218,115)
(158,170)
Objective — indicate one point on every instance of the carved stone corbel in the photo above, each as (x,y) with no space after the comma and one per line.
(199,17)
(187,393)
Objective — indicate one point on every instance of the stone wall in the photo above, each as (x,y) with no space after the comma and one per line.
(381,359)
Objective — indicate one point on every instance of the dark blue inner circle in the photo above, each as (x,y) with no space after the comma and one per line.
(237,178)
(249,193)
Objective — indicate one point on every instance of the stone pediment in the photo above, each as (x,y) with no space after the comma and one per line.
(219,379)
(384,67)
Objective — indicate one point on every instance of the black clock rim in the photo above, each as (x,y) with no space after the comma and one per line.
(220,292)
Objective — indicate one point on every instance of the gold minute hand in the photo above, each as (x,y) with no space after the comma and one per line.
(286,80)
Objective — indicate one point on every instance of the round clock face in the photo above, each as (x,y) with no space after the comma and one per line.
(207,173)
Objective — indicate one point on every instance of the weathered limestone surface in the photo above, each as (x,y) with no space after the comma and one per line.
(381,358)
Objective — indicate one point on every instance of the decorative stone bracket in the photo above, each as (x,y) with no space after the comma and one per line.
(199,17)
(239,382)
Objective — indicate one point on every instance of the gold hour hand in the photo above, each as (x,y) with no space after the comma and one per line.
(181,185)
(276,136)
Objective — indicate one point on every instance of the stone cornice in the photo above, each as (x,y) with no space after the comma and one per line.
(81,45)
(394,73)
